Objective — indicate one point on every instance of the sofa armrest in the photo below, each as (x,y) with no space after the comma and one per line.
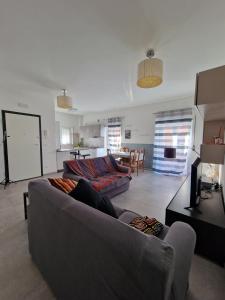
(123,169)
(182,238)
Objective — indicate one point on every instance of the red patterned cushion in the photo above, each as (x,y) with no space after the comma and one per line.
(63,184)
(147,225)
(101,182)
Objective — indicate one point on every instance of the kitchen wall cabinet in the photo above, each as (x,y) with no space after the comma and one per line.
(90,131)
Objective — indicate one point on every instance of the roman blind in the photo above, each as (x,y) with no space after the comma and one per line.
(114,134)
(172,129)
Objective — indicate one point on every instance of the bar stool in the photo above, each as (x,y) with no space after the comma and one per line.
(75,153)
(84,155)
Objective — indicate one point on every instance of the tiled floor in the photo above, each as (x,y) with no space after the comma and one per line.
(149,195)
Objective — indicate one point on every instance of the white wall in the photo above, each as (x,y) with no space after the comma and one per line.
(69,120)
(140,120)
(198,128)
(36,104)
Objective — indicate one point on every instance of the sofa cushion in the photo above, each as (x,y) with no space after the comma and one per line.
(88,167)
(107,207)
(127,216)
(86,194)
(119,211)
(82,167)
(103,172)
(63,184)
(91,168)
(101,166)
(109,181)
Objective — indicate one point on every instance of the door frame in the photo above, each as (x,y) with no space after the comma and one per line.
(5,145)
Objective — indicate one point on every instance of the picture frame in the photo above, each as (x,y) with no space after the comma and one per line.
(127,134)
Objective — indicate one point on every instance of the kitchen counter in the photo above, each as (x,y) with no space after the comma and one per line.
(78,148)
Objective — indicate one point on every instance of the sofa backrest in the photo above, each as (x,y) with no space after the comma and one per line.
(92,167)
(85,254)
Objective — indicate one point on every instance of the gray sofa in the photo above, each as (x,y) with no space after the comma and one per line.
(85,254)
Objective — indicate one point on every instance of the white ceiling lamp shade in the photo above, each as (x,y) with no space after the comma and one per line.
(64,101)
(150,71)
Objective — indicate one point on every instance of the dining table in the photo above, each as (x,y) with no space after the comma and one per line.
(121,154)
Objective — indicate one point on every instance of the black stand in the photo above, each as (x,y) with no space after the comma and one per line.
(25,197)
(209,225)
(196,209)
(6,182)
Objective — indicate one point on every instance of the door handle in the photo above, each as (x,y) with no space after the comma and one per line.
(6,136)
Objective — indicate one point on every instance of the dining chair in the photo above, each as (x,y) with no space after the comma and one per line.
(133,160)
(124,149)
(141,161)
(109,151)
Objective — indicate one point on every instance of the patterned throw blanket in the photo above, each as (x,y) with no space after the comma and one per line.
(100,171)
(147,225)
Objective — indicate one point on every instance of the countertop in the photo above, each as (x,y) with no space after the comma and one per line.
(78,148)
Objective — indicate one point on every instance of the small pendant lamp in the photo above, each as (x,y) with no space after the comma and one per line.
(150,71)
(64,101)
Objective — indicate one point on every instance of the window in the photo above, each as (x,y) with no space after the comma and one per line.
(66,136)
(172,129)
(114,134)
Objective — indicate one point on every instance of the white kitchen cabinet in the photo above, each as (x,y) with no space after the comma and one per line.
(101,152)
(92,153)
(61,156)
(97,152)
(89,131)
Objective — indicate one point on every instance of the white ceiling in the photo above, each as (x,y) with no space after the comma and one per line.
(92,47)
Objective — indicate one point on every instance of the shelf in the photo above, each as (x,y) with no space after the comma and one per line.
(213,111)
(210,86)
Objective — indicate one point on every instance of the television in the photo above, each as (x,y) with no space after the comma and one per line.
(195,192)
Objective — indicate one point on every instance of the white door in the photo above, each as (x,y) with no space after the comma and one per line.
(23,143)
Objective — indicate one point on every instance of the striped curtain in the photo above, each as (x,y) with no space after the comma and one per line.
(114,134)
(172,129)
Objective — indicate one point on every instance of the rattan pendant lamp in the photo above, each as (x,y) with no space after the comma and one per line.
(64,101)
(150,71)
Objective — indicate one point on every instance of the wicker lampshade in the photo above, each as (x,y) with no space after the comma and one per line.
(64,101)
(150,71)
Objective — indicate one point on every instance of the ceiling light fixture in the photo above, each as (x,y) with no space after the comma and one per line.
(150,71)
(64,101)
